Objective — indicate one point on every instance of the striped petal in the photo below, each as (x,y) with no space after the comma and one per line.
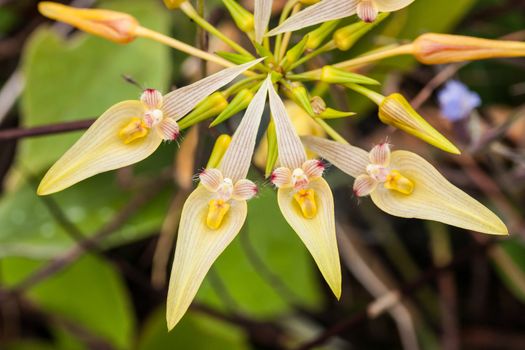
(179,102)
(323,11)
(317,233)
(101,149)
(434,198)
(290,149)
(262,13)
(197,248)
(391,5)
(237,159)
(352,160)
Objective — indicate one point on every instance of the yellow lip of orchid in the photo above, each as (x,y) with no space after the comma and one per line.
(328,10)
(130,131)
(214,213)
(112,25)
(304,197)
(408,186)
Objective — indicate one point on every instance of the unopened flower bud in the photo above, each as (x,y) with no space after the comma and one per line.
(346,37)
(443,48)
(317,36)
(237,104)
(334,75)
(112,25)
(209,107)
(396,111)
(173,4)
(242,17)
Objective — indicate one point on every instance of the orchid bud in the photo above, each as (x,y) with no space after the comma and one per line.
(112,25)
(209,107)
(173,4)
(242,17)
(396,111)
(443,48)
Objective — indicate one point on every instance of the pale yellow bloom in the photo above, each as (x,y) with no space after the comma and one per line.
(214,213)
(130,131)
(304,197)
(403,184)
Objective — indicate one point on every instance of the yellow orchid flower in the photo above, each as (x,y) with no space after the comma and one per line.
(403,184)
(130,131)
(214,213)
(328,10)
(304,197)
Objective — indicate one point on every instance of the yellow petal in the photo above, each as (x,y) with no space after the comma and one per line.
(317,233)
(391,5)
(101,149)
(434,198)
(323,11)
(198,247)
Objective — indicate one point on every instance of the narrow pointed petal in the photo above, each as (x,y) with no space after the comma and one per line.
(380,154)
(313,168)
(151,98)
(392,5)
(179,102)
(434,198)
(323,11)
(197,248)
(290,149)
(364,185)
(211,179)
(317,233)
(101,149)
(367,11)
(168,129)
(262,13)
(352,160)
(238,156)
(244,190)
(281,177)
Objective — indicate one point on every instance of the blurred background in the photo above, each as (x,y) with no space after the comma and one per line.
(87,268)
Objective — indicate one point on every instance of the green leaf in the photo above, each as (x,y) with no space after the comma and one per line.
(81,77)
(284,256)
(89,292)
(29,229)
(509,261)
(195,331)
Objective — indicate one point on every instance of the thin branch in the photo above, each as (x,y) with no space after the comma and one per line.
(384,303)
(57,128)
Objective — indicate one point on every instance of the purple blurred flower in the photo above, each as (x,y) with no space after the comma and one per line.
(457,101)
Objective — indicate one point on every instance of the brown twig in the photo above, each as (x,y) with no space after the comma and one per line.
(49,129)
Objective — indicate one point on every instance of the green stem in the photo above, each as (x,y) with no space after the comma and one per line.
(376,97)
(325,48)
(191,13)
(284,14)
(330,131)
(242,84)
